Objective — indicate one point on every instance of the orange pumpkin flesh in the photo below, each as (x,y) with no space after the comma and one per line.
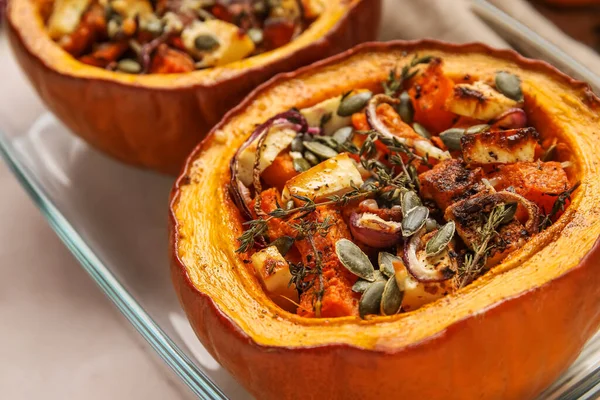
(156,120)
(508,335)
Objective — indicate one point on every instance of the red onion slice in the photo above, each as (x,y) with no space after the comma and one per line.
(421,146)
(514,118)
(417,264)
(240,192)
(373,231)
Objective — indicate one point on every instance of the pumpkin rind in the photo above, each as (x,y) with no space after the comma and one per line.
(154,121)
(508,335)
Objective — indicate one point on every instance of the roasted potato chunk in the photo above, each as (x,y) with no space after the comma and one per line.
(274,273)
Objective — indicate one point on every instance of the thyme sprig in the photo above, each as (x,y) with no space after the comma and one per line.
(559,205)
(396,81)
(475,262)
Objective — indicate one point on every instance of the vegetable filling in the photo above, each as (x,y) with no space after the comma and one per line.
(380,203)
(175,36)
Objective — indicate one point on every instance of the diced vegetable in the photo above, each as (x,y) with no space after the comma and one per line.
(478,100)
(335,176)
(278,138)
(450,181)
(131,9)
(232,45)
(325,114)
(274,273)
(536,181)
(500,147)
(66,16)
(170,61)
(429,93)
(281,171)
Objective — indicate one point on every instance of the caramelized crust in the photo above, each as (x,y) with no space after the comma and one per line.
(450,181)
(499,147)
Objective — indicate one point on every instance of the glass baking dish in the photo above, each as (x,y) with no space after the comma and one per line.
(113,218)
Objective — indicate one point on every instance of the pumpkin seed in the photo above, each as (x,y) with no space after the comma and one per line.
(297,144)
(414,220)
(391,298)
(549,153)
(301,165)
(320,150)
(509,85)
(311,158)
(361,285)
(256,35)
(440,239)
(510,209)
(353,258)
(283,244)
(370,301)
(155,27)
(431,225)
(353,104)
(451,138)
(343,135)
(328,141)
(410,201)
(386,263)
(405,108)
(206,42)
(421,130)
(129,66)
(477,129)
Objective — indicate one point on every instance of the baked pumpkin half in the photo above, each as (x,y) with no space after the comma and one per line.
(84,58)
(406,217)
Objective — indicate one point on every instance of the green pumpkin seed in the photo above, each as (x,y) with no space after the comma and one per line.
(414,220)
(320,150)
(550,153)
(509,85)
(477,129)
(386,263)
(206,42)
(440,239)
(343,135)
(421,130)
(283,244)
(370,301)
(256,35)
(361,285)
(510,209)
(410,201)
(155,27)
(129,66)
(405,108)
(391,298)
(353,258)
(431,225)
(327,141)
(451,138)
(354,103)
(311,158)
(301,165)
(297,145)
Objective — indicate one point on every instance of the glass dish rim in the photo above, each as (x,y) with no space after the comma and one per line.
(193,377)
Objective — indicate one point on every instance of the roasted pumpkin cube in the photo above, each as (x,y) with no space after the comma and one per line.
(539,182)
(500,147)
(450,181)
(274,273)
(478,100)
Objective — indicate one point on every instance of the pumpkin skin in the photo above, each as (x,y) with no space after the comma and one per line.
(154,121)
(508,335)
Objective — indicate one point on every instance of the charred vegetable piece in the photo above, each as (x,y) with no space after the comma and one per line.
(478,100)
